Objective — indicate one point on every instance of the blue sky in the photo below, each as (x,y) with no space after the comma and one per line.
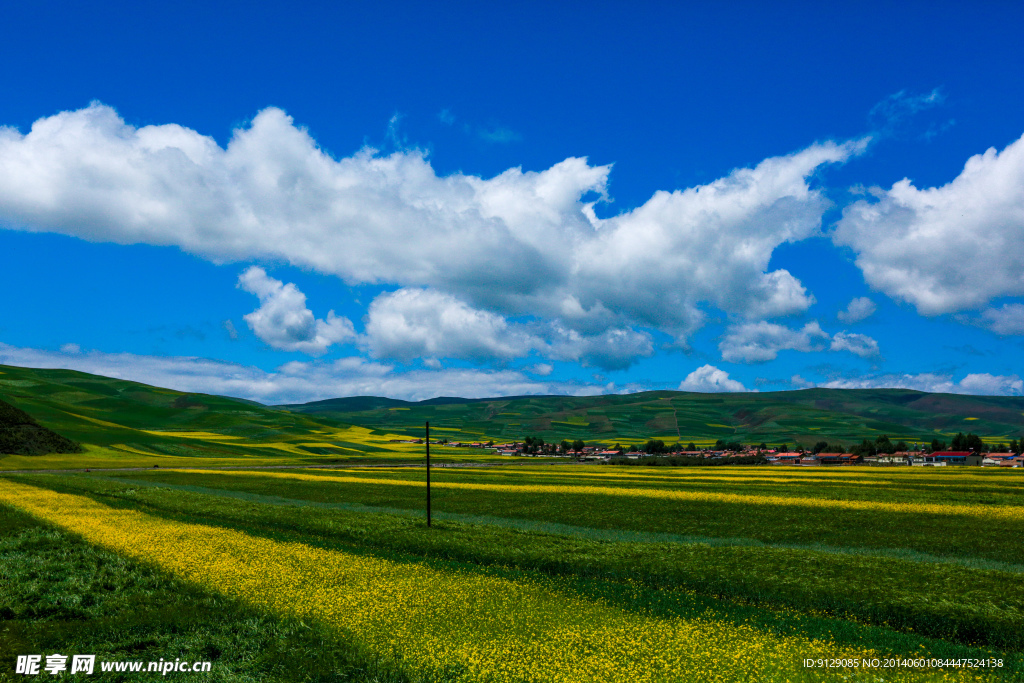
(291,203)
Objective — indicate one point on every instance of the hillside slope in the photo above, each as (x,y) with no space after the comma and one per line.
(20,434)
(138,418)
(806,416)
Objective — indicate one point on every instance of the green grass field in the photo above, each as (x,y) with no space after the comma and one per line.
(126,424)
(231,543)
(552,573)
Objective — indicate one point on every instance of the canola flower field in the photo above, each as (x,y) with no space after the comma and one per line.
(584,573)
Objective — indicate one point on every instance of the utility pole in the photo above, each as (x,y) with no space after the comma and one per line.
(428,474)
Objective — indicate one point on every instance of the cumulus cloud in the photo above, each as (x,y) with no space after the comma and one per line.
(1006,320)
(859,344)
(762,341)
(945,249)
(296,382)
(413,323)
(614,349)
(522,243)
(708,378)
(859,309)
(70,348)
(284,322)
(983,384)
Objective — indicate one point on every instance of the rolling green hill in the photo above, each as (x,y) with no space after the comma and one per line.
(119,417)
(806,416)
(129,418)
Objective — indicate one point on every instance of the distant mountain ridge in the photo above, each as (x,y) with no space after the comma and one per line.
(844,415)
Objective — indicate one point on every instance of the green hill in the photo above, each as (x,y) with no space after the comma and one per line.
(20,434)
(134,418)
(137,418)
(806,416)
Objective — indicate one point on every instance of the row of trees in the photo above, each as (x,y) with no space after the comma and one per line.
(881,445)
(534,445)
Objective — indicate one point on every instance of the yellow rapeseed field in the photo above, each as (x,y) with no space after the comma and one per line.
(476,626)
(992,512)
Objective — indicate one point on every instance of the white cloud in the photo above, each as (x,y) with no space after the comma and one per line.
(950,248)
(542,369)
(762,341)
(859,344)
(976,383)
(295,382)
(708,378)
(284,322)
(522,243)
(613,349)
(859,309)
(71,348)
(984,383)
(1006,320)
(412,323)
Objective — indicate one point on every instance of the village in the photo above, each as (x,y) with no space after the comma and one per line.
(656,452)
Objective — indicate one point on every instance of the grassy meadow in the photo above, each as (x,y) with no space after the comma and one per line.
(574,573)
(127,424)
(207,528)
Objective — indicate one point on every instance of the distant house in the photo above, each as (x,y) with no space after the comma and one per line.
(784,459)
(953,458)
(840,458)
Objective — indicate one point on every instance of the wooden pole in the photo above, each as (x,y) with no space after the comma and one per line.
(428,474)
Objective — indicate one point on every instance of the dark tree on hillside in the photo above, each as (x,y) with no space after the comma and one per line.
(783,448)
(533,445)
(974,443)
(565,446)
(1013,446)
(883,445)
(691,446)
(959,442)
(655,447)
(865,447)
(938,445)
(763,446)
(819,447)
(719,445)
(901,446)
(578,445)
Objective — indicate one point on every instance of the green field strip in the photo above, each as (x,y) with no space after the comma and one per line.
(590,533)
(669,603)
(61,594)
(983,611)
(432,614)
